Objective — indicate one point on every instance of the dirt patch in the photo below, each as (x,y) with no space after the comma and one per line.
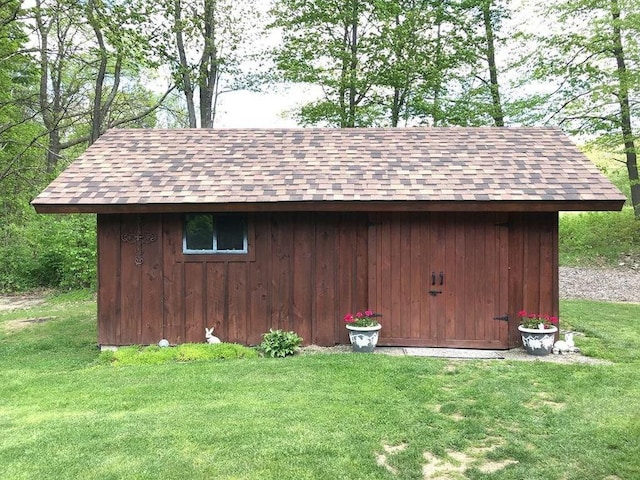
(19,324)
(17,302)
(455,464)
(381,458)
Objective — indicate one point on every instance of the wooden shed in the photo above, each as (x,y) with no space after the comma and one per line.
(447,232)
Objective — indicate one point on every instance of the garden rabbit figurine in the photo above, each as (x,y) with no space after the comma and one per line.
(208,333)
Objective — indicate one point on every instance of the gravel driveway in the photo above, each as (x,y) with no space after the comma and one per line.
(605,284)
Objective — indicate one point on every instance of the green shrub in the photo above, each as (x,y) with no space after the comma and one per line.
(278,343)
(48,251)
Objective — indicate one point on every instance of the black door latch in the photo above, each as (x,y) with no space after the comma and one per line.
(433,293)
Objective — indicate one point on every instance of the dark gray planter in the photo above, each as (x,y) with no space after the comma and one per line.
(538,342)
(363,339)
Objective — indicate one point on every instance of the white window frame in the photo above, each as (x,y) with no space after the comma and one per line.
(214,249)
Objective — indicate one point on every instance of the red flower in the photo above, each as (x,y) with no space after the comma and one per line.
(553,319)
(368,313)
(359,315)
(522,313)
(348,318)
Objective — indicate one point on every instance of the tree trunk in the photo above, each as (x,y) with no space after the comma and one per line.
(53,147)
(208,72)
(184,66)
(625,110)
(96,113)
(353,65)
(496,110)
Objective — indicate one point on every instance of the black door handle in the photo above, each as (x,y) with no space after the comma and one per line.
(441,278)
(433,278)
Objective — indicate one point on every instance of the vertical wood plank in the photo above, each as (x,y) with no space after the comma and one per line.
(281,284)
(152,283)
(516,275)
(555,262)
(194,288)
(260,281)
(130,288)
(532,265)
(302,285)
(396,300)
(173,284)
(216,302)
(108,230)
(237,301)
(428,317)
(324,260)
(404,278)
(442,249)
(361,295)
(548,266)
(384,276)
(416,276)
(373,266)
(459,307)
(503,278)
(346,273)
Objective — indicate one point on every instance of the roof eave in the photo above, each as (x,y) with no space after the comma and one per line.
(341,206)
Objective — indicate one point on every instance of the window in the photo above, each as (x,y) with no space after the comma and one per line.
(209,233)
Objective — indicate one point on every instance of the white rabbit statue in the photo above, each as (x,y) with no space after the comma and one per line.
(208,333)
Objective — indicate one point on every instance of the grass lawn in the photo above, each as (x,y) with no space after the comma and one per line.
(63,414)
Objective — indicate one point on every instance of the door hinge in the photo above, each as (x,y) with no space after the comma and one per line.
(504,318)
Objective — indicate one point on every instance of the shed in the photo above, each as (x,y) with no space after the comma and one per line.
(446,232)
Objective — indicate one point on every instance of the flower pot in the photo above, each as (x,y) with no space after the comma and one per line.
(363,339)
(538,342)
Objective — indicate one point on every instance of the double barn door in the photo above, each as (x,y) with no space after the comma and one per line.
(440,279)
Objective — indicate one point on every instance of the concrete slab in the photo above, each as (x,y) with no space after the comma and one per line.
(453,353)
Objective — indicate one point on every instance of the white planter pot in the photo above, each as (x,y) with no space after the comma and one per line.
(363,339)
(538,342)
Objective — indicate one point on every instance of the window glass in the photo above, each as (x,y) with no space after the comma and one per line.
(199,232)
(208,233)
(230,231)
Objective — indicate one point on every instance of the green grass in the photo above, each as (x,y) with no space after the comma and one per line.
(602,238)
(599,238)
(65,415)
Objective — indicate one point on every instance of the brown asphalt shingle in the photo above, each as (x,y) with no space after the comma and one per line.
(216,166)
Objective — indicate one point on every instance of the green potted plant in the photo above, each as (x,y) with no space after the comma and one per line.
(363,330)
(538,332)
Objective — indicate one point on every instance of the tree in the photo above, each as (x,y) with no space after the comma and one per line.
(329,43)
(19,151)
(91,57)
(592,61)
(206,45)
(383,63)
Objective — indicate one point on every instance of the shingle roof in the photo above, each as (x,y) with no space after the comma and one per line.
(138,167)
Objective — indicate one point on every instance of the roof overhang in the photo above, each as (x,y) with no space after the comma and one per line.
(341,206)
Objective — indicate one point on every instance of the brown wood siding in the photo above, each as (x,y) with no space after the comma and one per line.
(437,279)
(306,270)
(533,260)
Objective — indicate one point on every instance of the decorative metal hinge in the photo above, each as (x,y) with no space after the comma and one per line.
(503,318)
(139,238)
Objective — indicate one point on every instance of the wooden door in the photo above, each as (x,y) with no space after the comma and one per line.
(440,279)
